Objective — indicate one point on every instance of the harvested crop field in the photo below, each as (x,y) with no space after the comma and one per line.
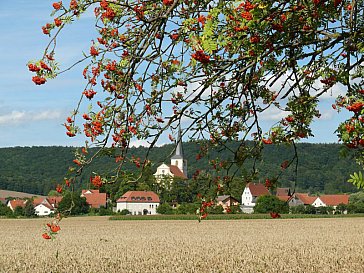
(95,244)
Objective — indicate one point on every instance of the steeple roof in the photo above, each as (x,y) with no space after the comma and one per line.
(179,149)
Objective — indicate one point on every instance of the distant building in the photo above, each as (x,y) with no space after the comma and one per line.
(250,195)
(138,202)
(12,204)
(94,198)
(42,207)
(332,200)
(226,201)
(178,166)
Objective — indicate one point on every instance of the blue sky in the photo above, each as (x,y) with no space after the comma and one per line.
(32,115)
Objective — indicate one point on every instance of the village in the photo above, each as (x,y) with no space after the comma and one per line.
(147,202)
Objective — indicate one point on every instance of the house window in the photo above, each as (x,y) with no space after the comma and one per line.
(149,198)
(152,206)
(162,171)
(176,163)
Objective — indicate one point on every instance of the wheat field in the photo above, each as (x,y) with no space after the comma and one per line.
(96,244)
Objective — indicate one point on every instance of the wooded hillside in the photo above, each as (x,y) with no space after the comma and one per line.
(38,169)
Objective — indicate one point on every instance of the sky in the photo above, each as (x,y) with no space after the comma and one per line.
(33,115)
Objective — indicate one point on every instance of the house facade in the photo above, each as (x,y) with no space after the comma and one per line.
(250,195)
(226,201)
(138,202)
(42,207)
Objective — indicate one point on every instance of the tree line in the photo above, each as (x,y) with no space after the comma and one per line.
(320,169)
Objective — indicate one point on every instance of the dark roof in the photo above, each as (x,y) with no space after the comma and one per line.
(139,197)
(222,198)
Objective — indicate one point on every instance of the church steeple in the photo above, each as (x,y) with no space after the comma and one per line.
(178,158)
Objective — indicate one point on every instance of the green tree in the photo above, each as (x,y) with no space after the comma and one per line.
(217,64)
(29,210)
(341,208)
(165,208)
(19,211)
(270,203)
(72,203)
(5,210)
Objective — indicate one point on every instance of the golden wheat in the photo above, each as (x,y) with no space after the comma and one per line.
(95,244)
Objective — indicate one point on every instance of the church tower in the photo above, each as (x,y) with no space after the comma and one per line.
(178,158)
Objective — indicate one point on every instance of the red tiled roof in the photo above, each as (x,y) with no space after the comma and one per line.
(17,203)
(42,201)
(94,198)
(283,191)
(47,205)
(257,189)
(306,200)
(90,191)
(139,197)
(54,200)
(177,172)
(284,198)
(335,199)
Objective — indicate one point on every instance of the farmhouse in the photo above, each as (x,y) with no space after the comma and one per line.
(295,199)
(42,206)
(178,166)
(226,201)
(332,200)
(250,195)
(138,202)
(12,204)
(94,198)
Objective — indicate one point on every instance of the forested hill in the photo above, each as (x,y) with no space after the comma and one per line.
(38,169)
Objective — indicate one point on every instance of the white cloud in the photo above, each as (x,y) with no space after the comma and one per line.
(139,142)
(20,117)
(273,114)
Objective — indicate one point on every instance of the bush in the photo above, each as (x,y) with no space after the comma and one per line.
(300,209)
(216,210)
(187,208)
(125,212)
(105,211)
(270,203)
(165,209)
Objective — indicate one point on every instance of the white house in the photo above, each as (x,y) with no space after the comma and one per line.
(332,200)
(250,195)
(42,207)
(138,202)
(178,166)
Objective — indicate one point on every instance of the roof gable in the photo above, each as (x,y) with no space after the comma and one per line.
(17,203)
(177,172)
(139,197)
(305,198)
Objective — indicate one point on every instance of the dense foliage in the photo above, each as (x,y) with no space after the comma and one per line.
(39,169)
(215,67)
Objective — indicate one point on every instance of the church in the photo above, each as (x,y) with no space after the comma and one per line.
(178,166)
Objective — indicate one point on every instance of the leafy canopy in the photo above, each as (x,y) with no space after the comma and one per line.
(215,66)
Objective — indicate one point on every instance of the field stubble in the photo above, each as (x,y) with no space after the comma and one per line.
(94,244)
